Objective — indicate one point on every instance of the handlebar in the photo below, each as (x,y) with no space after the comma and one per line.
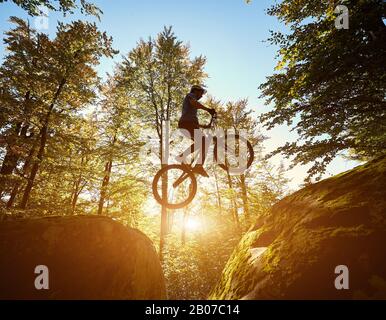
(212,120)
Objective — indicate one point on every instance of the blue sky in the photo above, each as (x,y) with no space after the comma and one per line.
(230,33)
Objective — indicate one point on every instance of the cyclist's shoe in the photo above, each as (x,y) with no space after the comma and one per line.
(200,170)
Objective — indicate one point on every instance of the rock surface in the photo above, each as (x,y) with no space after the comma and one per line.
(88,257)
(293,252)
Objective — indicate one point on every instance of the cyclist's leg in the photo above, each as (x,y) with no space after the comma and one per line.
(204,143)
(187,131)
(200,142)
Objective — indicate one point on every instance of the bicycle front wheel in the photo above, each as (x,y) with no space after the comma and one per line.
(174,186)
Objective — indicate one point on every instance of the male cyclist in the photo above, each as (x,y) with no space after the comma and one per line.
(189,122)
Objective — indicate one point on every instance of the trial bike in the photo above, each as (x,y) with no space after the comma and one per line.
(180,183)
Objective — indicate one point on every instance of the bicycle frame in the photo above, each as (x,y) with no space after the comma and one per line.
(184,176)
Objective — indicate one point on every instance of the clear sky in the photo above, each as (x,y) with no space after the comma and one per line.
(230,33)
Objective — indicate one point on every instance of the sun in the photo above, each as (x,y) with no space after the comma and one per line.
(192,224)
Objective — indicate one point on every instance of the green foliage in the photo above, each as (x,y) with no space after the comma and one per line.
(46,84)
(65,6)
(75,141)
(268,184)
(157,74)
(262,185)
(193,268)
(331,83)
(304,236)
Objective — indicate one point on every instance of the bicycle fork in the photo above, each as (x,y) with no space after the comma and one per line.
(181,179)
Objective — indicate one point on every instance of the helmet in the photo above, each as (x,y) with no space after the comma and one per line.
(198,88)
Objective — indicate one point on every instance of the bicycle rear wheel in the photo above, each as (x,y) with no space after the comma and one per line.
(235,149)
(181,186)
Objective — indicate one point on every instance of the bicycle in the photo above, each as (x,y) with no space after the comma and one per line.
(184,182)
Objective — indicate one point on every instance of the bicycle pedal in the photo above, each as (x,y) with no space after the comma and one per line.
(187,166)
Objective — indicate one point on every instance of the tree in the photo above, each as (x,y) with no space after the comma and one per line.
(268,184)
(330,85)
(236,116)
(70,167)
(48,80)
(65,6)
(157,75)
(19,76)
(119,138)
(77,48)
(80,158)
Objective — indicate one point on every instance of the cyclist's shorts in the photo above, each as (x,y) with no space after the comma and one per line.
(188,126)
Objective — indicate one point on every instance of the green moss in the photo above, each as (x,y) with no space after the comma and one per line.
(345,200)
(272,260)
(309,226)
(237,270)
(353,231)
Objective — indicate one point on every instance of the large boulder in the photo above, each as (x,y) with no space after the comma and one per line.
(88,257)
(294,251)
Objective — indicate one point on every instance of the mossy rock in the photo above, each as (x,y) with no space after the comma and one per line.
(88,257)
(293,254)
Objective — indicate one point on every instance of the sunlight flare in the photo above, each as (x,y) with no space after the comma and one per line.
(193,224)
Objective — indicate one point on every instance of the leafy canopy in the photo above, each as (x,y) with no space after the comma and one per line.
(65,6)
(330,84)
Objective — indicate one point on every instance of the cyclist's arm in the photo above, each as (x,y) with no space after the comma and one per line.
(198,105)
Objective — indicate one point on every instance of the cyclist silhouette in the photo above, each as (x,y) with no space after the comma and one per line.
(182,181)
(189,122)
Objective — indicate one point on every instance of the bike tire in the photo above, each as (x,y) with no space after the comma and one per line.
(192,190)
(250,152)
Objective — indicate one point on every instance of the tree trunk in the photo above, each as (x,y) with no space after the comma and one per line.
(234,204)
(244,194)
(164,214)
(105,183)
(183,231)
(25,171)
(12,198)
(73,204)
(35,166)
(164,151)
(43,142)
(106,178)
(170,221)
(9,162)
(75,196)
(219,202)
(11,158)
(77,189)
